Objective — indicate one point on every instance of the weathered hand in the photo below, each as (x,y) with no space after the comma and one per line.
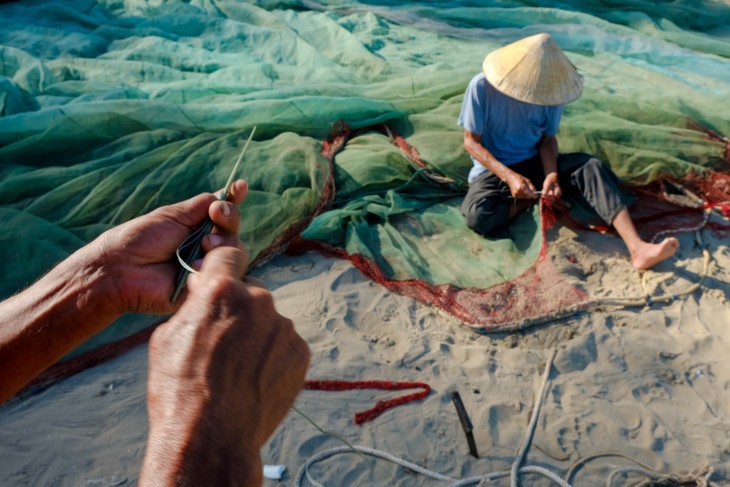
(223,372)
(139,255)
(520,187)
(551,187)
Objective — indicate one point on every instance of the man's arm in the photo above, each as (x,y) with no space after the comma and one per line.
(47,320)
(520,186)
(128,268)
(548,148)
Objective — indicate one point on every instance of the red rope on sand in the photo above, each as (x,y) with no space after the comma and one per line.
(382,405)
(102,354)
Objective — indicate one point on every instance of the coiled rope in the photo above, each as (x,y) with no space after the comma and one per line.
(700,477)
(533,421)
(514,472)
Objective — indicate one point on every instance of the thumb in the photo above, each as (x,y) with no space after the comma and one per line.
(189,212)
(529,185)
(222,262)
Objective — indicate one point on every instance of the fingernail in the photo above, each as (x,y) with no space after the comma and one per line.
(225,209)
(215,239)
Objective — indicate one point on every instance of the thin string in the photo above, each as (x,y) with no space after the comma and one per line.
(227,188)
(323,431)
(191,248)
(196,237)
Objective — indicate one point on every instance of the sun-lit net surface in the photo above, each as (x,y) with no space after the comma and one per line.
(109,109)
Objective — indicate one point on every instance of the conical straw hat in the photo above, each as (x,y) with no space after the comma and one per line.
(534,70)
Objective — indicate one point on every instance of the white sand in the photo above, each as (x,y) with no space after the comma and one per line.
(651,383)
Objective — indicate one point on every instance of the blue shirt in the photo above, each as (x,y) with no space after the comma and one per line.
(510,129)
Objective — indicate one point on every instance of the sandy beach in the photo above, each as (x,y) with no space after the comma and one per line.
(109,109)
(647,383)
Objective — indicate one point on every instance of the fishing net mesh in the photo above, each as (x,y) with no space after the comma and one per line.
(109,109)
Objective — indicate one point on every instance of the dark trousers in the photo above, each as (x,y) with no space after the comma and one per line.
(486,206)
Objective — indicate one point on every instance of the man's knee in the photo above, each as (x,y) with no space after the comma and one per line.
(487,219)
(576,161)
(594,165)
(596,170)
(472,219)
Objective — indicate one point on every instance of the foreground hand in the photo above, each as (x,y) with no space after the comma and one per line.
(223,372)
(139,255)
(520,187)
(551,187)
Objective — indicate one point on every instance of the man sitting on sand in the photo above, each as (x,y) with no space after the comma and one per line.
(510,115)
(223,370)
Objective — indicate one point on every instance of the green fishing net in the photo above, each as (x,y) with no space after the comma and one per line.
(109,109)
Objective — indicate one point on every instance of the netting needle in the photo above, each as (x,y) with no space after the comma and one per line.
(191,248)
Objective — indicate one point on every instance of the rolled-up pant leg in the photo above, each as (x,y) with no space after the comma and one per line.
(585,176)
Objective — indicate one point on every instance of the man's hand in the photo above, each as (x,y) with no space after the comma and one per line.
(551,187)
(520,187)
(128,268)
(223,372)
(139,255)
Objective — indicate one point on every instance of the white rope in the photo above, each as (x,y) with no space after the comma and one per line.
(700,477)
(514,472)
(506,473)
(533,421)
(304,470)
(628,470)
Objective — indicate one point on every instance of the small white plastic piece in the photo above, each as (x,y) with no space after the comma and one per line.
(274,472)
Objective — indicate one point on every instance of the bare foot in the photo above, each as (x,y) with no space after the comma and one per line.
(647,254)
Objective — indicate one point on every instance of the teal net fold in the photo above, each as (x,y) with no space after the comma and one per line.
(109,109)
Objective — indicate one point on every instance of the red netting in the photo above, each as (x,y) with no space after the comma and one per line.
(668,205)
(538,295)
(89,359)
(541,293)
